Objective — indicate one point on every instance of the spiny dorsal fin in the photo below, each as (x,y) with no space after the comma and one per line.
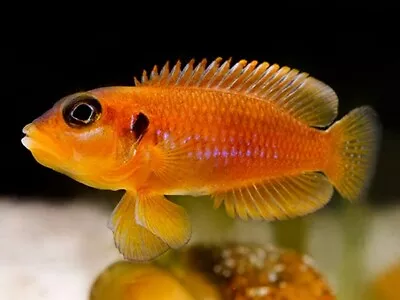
(304,97)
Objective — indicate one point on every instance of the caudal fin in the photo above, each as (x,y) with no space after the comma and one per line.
(356,140)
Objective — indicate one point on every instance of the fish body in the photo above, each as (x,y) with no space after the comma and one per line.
(257,137)
(225,139)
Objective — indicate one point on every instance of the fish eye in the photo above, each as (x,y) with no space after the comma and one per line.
(82,111)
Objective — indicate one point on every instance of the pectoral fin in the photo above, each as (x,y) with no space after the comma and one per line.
(134,242)
(170,159)
(165,219)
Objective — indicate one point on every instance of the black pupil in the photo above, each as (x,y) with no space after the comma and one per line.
(83,112)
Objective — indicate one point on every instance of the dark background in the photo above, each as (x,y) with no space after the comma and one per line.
(359,60)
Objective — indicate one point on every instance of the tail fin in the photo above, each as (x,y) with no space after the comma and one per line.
(356,140)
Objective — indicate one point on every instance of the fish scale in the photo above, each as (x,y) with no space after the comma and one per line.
(279,137)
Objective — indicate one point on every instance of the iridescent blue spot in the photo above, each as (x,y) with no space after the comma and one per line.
(166,135)
(216,152)
(158,131)
(225,153)
(248,152)
(199,154)
(207,153)
(233,152)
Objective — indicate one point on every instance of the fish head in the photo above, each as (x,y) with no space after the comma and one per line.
(79,137)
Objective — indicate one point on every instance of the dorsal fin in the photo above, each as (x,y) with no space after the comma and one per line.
(304,97)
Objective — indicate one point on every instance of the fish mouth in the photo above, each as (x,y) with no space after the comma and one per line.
(28,141)
(40,145)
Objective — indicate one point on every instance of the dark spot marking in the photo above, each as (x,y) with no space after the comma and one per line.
(139,125)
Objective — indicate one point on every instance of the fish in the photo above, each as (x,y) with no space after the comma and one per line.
(261,139)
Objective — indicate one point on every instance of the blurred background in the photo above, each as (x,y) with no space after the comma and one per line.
(53,233)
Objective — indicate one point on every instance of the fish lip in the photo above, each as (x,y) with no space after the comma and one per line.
(33,139)
(27,142)
(26,128)
(40,142)
(34,142)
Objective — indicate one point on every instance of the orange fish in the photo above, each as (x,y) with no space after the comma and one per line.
(252,135)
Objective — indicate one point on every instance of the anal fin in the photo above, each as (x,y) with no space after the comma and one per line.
(279,198)
(134,242)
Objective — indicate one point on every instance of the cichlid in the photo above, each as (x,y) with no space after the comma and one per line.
(259,138)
